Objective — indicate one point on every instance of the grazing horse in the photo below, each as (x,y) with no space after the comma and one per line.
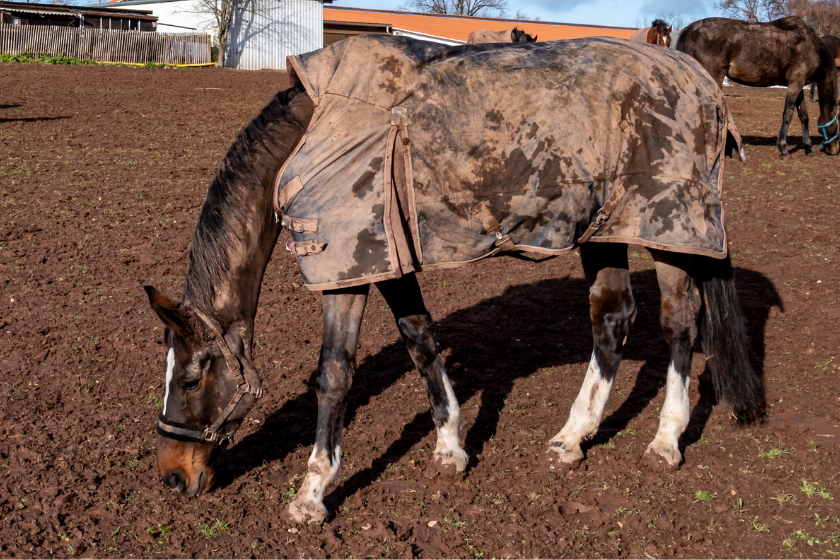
(782,52)
(514,35)
(659,33)
(832,43)
(465,152)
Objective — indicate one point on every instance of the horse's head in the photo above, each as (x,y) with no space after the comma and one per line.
(663,32)
(519,36)
(828,124)
(205,399)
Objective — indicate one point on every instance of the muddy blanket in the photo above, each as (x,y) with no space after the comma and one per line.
(423,156)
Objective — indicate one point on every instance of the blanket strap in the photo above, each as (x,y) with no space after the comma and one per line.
(603,214)
(303,248)
(493,227)
(299,225)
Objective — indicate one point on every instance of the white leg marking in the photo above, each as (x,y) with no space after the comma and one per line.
(170,368)
(674,418)
(448,448)
(308,504)
(585,415)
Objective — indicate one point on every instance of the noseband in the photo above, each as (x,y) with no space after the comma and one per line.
(822,130)
(248,382)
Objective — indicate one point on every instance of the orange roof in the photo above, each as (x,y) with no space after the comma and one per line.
(460,27)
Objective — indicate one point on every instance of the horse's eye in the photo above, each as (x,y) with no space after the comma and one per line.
(191,385)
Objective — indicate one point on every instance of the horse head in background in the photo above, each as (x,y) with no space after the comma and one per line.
(659,33)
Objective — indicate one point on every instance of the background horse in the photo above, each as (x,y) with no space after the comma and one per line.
(782,52)
(659,33)
(514,35)
(668,173)
(832,43)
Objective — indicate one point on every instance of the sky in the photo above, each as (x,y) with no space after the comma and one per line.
(604,12)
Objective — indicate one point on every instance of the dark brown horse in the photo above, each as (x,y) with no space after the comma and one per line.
(514,35)
(832,43)
(784,52)
(655,172)
(659,33)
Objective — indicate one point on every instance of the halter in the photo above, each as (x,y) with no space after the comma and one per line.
(245,381)
(821,128)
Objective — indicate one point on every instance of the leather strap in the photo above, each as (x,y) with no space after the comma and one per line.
(248,382)
(300,225)
(493,227)
(304,248)
(604,213)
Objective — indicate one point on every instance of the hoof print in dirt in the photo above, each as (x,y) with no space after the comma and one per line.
(559,459)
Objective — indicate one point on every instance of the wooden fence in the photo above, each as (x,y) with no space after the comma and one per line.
(106,45)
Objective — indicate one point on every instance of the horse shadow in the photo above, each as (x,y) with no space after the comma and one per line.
(31,119)
(492,344)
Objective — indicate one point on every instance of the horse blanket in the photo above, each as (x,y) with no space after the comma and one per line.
(422,156)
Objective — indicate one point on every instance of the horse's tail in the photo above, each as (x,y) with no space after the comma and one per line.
(725,341)
(813,87)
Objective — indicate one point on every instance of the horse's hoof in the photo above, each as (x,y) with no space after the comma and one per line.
(809,151)
(301,512)
(448,464)
(559,458)
(660,457)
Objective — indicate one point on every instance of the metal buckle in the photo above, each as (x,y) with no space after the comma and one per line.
(499,235)
(209,436)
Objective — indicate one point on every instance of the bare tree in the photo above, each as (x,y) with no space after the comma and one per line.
(459,7)
(522,15)
(221,11)
(676,21)
(822,15)
(752,10)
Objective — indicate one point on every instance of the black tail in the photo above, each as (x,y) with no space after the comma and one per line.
(725,341)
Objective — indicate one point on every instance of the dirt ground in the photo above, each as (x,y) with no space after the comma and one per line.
(102,174)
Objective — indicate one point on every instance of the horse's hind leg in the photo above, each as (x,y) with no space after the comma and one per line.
(793,99)
(802,111)
(414,322)
(612,310)
(343,311)
(680,305)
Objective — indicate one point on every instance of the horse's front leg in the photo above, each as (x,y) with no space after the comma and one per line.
(612,310)
(415,324)
(343,311)
(802,112)
(793,93)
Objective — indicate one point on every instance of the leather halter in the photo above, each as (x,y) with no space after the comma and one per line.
(248,382)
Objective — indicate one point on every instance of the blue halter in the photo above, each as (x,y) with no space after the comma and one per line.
(821,128)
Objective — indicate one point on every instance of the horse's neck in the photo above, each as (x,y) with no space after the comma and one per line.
(237,229)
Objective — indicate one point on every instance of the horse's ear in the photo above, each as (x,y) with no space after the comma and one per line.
(172,314)
(535,38)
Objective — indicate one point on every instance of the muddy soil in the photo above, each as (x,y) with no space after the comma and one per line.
(102,175)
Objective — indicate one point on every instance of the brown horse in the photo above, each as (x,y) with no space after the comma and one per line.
(514,35)
(659,129)
(832,43)
(784,52)
(659,33)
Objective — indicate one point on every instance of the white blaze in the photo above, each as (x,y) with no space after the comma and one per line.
(170,369)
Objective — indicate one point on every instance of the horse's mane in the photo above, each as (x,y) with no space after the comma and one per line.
(658,22)
(266,140)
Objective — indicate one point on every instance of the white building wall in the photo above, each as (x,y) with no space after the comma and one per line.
(265,32)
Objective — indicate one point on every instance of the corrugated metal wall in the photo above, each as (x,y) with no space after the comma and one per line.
(265,32)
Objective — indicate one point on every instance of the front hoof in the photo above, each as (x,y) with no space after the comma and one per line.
(301,512)
(562,458)
(809,150)
(448,464)
(660,457)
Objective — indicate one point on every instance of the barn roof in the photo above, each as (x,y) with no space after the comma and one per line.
(459,27)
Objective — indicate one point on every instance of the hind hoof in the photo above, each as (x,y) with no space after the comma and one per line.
(560,458)
(662,458)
